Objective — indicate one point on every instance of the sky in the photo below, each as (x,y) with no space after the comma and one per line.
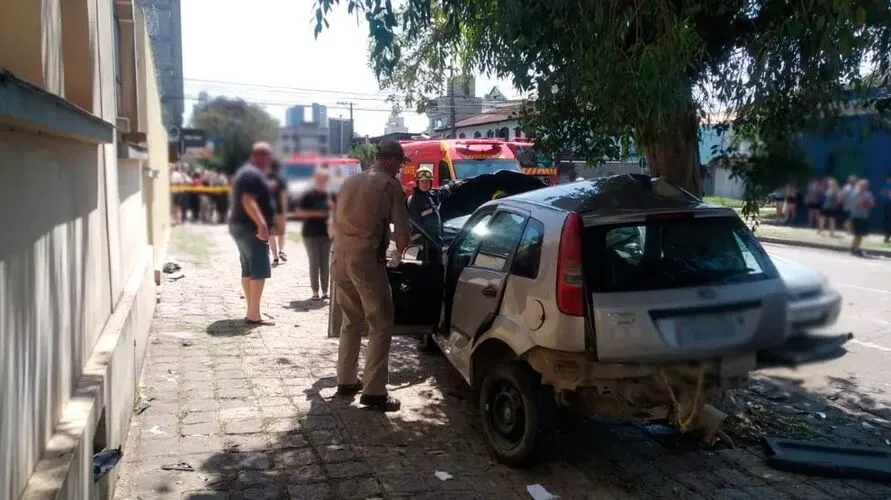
(264,51)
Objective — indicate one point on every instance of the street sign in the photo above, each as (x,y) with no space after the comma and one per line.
(189,137)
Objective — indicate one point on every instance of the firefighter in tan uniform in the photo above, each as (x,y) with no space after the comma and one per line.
(367,204)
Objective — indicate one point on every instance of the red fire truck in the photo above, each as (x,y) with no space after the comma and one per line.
(532,163)
(453,159)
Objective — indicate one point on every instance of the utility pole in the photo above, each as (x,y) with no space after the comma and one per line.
(452,113)
(350,104)
(343,150)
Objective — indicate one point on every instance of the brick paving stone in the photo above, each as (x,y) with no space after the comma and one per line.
(250,410)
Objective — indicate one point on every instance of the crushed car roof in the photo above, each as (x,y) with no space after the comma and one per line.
(614,194)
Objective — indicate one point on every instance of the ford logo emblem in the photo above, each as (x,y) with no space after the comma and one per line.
(707,293)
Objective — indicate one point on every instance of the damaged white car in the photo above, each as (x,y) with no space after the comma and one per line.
(623,296)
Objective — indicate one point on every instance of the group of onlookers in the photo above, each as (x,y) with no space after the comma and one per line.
(197,204)
(830,206)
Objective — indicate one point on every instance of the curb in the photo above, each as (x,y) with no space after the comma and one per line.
(822,246)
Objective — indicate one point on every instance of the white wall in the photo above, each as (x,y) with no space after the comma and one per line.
(482,129)
(54,287)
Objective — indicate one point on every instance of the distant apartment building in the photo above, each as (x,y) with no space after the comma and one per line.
(395,125)
(164,26)
(318,135)
(340,136)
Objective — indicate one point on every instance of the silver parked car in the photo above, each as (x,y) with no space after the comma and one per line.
(813,303)
(624,296)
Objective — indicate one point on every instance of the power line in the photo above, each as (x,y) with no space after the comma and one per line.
(380,95)
(264,102)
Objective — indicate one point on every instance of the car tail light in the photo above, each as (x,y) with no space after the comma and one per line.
(570,298)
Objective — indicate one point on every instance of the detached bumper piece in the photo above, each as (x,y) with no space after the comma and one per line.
(830,460)
(804,349)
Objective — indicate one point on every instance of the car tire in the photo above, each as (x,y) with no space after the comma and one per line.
(427,345)
(518,414)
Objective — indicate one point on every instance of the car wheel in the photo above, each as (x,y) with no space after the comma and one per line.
(518,414)
(427,344)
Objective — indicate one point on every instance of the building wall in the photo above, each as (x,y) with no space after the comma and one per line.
(163,19)
(54,288)
(494,128)
(76,282)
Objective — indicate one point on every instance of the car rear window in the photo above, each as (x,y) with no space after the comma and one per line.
(677,253)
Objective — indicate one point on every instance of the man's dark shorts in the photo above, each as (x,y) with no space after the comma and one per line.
(254,252)
(860,227)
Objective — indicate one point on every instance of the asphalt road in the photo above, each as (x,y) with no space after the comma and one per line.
(860,377)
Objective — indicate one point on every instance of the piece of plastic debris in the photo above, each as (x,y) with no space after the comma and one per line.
(182,466)
(821,415)
(442,476)
(335,447)
(157,431)
(175,276)
(105,461)
(538,492)
(888,442)
(867,425)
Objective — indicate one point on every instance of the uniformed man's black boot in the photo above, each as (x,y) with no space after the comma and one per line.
(380,403)
(344,390)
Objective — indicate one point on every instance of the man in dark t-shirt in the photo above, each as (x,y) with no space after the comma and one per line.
(252,217)
(313,208)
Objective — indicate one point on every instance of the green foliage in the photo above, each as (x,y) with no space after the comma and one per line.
(238,125)
(606,73)
(364,152)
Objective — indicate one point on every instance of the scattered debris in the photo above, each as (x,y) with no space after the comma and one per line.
(442,476)
(182,466)
(179,335)
(105,461)
(171,267)
(821,415)
(538,492)
(335,447)
(157,431)
(831,460)
(434,451)
(175,276)
(142,404)
(867,425)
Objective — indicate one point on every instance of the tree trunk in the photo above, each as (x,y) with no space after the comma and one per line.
(674,152)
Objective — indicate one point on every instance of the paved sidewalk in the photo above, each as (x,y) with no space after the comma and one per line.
(243,409)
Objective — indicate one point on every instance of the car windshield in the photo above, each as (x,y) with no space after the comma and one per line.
(297,171)
(665,254)
(465,169)
(529,158)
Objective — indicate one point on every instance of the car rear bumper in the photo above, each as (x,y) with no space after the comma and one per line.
(817,312)
(635,391)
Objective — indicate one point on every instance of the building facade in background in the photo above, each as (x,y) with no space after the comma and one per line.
(395,125)
(164,22)
(85,196)
(318,135)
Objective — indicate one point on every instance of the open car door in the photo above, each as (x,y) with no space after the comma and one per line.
(415,285)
